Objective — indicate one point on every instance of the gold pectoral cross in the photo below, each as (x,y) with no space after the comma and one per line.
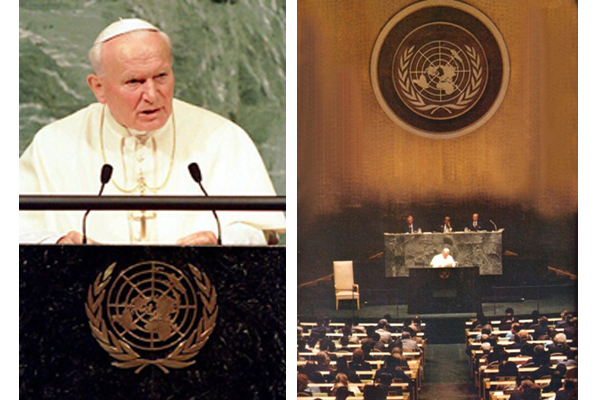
(142,217)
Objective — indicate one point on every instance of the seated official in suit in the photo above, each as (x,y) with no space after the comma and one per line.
(446,227)
(475,225)
(410,226)
(443,260)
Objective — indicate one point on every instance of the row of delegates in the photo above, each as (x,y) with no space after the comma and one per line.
(475,225)
(496,356)
(341,391)
(149,138)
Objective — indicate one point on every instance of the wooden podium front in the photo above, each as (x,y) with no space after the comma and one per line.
(443,290)
(152,322)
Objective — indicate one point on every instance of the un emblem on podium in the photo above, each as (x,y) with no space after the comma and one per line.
(440,68)
(152,313)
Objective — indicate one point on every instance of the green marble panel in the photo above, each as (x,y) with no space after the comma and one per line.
(469,249)
(229,57)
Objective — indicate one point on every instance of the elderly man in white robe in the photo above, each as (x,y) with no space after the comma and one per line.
(149,138)
(443,260)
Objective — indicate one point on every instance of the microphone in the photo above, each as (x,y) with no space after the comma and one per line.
(197,177)
(105,175)
(495,227)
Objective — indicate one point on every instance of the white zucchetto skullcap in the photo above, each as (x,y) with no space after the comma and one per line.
(123,26)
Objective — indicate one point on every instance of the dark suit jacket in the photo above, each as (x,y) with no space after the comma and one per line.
(441,228)
(480,227)
(406,228)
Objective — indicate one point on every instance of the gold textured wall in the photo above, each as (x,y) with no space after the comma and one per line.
(351,154)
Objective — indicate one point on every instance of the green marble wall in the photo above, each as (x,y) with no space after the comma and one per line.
(229,57)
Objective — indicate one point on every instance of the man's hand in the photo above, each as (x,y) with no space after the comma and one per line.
(204,238)
(73,237)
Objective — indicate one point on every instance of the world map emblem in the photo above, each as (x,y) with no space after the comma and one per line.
(440,68)
(152,314)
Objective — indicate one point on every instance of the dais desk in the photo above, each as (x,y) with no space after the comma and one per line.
(480,249)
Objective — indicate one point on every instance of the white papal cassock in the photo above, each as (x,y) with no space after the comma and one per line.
(66,157)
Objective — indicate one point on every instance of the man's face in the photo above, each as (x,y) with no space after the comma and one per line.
(475,217)
(445,253)
(137,80)
(447,220)
(409,219)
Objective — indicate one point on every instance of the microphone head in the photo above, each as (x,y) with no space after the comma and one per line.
(195,172)
(106,173)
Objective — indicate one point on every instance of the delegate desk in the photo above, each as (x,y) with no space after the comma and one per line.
(404,251)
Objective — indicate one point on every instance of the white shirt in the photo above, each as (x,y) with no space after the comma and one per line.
(66,157)
(440,262)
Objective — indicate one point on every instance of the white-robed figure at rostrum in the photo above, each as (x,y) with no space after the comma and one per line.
(443,260)
(149,138)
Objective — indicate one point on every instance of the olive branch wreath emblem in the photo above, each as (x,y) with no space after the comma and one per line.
(126,356)
(466,97)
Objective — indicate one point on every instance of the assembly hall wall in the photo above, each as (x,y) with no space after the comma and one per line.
(359,173)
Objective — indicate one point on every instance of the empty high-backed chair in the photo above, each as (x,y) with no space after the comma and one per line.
(343,277)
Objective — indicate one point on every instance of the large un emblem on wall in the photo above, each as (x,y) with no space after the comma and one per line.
(152,313)
(440,68)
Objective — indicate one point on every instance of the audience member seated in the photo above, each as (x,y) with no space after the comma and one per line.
(539,357)
(340,381)
(541,329)
(498,353)
(408,343)
(508,319)
(535,318)
(571,359)
(564,315)
(556,379)
(507,368)
(303,386)
(515,327)
(544,367)
(344,342)
(302,346)
(342,393)
(485,330)
(527,391)
(347,331)
(383,331)
(396,352)
(389,320)
(358,361)
(559,344)
(563,394)
(519,340)
(312,369)
(378,344)
(389,372)
(570,328)
(317,333)
(341,367)
(356,328)
(480,321)
(417,323)
(367,348)
(410,327)
(374,392)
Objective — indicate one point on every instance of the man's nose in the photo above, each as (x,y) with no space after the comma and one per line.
(150,91)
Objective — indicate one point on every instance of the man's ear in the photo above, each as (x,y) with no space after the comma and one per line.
(97,85)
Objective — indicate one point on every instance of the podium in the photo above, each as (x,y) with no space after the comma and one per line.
(65,293)
(443,290)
